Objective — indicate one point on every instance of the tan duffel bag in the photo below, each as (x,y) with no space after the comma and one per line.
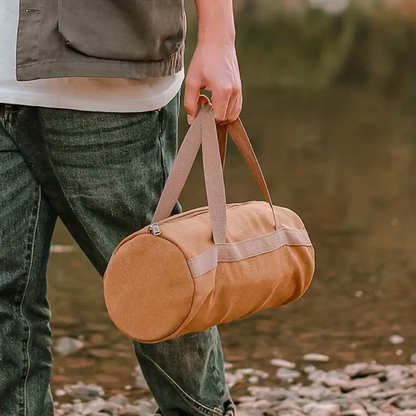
(211,265)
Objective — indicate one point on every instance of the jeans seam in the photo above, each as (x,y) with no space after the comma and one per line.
(199,407)
(29,272)
(159,138)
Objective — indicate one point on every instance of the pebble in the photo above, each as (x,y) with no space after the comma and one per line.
(319,358)
(361,389)
(83,391)
(287,374)
(277,362)
(396,339)
(67,346)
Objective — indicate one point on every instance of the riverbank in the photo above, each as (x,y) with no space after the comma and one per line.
(360,389)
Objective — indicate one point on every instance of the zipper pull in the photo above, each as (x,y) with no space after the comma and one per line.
(154,229)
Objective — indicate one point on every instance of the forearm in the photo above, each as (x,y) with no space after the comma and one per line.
(215,21)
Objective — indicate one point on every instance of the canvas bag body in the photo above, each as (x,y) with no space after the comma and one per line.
(211,265)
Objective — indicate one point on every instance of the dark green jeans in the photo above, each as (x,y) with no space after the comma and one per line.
(102,174)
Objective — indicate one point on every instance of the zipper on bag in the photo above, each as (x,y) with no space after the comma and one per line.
(154,229)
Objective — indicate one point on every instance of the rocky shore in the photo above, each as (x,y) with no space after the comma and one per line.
(361,389)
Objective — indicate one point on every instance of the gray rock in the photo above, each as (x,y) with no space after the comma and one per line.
(251,372)
(131,410)
(323,409)
(407,404)
(309,369)
(355,412)
(314,392)
(320,358)
(119,399)
(287,374)
(317,375)
(287,405)
(369,407)
(384,395)
(67,346)
(365,393)
(335,378)
(363,369)
(83,391)
(360,383)
(267,393)
(261,405)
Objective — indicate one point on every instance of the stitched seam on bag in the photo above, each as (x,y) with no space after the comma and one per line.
(229,252)
(201,408)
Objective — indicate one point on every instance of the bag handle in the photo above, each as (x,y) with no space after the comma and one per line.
(203,130)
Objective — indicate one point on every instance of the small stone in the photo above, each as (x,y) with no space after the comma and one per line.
(287,405)
(276,394)
(407,404)
(363,369)
(365,393)
(100,353)
(396,339)
(60,393)
(287,374)
(253,379)
(251,372)
(325,409)
(317,376)
(335,378)
(67,346)
(119,399)
(81,390)
(261,405)
(309,369)
(283,363)
(245,399)
(314,392)
(356,412)
(228,366)
(413,358)
(131,410)
(360,383)
(369,407)
(384,395)
(316,358)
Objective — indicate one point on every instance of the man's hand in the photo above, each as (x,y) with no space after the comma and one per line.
(214,66)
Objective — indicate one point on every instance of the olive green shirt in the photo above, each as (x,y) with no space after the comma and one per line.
(100,38)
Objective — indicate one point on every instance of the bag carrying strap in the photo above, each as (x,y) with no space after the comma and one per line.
(204,131)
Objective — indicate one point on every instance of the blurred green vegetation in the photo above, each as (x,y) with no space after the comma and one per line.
(315,50)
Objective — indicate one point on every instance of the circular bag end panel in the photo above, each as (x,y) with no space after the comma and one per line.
(148,288)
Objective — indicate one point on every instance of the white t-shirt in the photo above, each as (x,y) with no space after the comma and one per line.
(86,94)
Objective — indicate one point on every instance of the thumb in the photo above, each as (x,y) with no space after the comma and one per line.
(191,97)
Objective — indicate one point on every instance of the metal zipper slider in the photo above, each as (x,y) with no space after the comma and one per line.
(154,229)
